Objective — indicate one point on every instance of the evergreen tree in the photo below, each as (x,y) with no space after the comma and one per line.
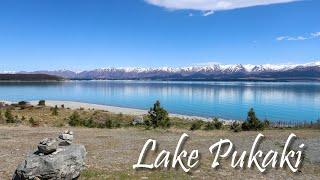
(252,123)
(158,116)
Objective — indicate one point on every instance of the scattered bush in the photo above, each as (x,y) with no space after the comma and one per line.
(209,125)
(158,116)
(42,103)
(196,125)
(75,120)
(266,123)
(94,121)
(9,117)
(33,122)
(236,126)
(55,111)
(108,123)
(88,123)
(62,106)
(22,103)
(2,119)
(215,124)
(252,123)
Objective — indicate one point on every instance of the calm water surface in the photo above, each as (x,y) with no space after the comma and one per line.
(230,100)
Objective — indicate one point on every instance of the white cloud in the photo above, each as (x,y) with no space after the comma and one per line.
(299,38)
(207,13)
(315,34)
(288,38)
(281,38)
(213,5)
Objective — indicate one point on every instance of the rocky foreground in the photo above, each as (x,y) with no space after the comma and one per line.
(55,158)
(113,152)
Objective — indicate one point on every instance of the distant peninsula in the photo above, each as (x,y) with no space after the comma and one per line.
(29,77)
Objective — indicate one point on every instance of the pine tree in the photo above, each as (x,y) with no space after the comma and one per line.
(158,116)
(252,123)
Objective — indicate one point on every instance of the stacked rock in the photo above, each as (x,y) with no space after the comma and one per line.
(47,146)
(55,158)
(65,138)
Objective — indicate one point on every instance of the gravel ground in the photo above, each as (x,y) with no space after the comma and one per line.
(112,152)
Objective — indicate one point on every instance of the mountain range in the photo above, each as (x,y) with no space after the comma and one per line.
(265,72)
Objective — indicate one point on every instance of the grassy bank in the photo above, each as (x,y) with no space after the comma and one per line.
(58,116)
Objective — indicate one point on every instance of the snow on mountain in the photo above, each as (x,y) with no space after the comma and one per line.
(214,67)
(209,70)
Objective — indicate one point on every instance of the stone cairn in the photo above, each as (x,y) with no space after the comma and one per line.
(55,158)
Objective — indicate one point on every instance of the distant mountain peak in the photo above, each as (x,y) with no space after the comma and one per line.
(209,71)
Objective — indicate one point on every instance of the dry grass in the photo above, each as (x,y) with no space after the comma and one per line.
(112,152)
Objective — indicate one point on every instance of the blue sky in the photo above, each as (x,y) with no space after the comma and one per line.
(87,34)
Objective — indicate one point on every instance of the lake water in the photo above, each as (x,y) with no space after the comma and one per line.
(230,100)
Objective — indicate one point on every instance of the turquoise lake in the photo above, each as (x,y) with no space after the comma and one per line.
(277,101)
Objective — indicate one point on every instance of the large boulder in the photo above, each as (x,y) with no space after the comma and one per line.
(66,162)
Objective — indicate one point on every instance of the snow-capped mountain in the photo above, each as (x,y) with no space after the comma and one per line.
(210,71)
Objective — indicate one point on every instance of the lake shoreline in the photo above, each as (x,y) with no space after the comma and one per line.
(113,109)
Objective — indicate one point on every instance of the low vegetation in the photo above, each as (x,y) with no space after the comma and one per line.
(55,111)
(42,103)
(157,117)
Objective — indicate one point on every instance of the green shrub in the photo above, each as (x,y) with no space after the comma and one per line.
(9,117)
(2,119)
(89,123)
(33,122)
(236,126)
(75,120)
(217,124)
(108,123)
(211,125)
(55,110)
(158,116)
(22,103)
(42,103)
(196,125)
(252,123)
(116,124)
(266,123)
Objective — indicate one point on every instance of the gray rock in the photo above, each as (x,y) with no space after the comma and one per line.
(47,146)
(138,120)
(65,163)
(66,138)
